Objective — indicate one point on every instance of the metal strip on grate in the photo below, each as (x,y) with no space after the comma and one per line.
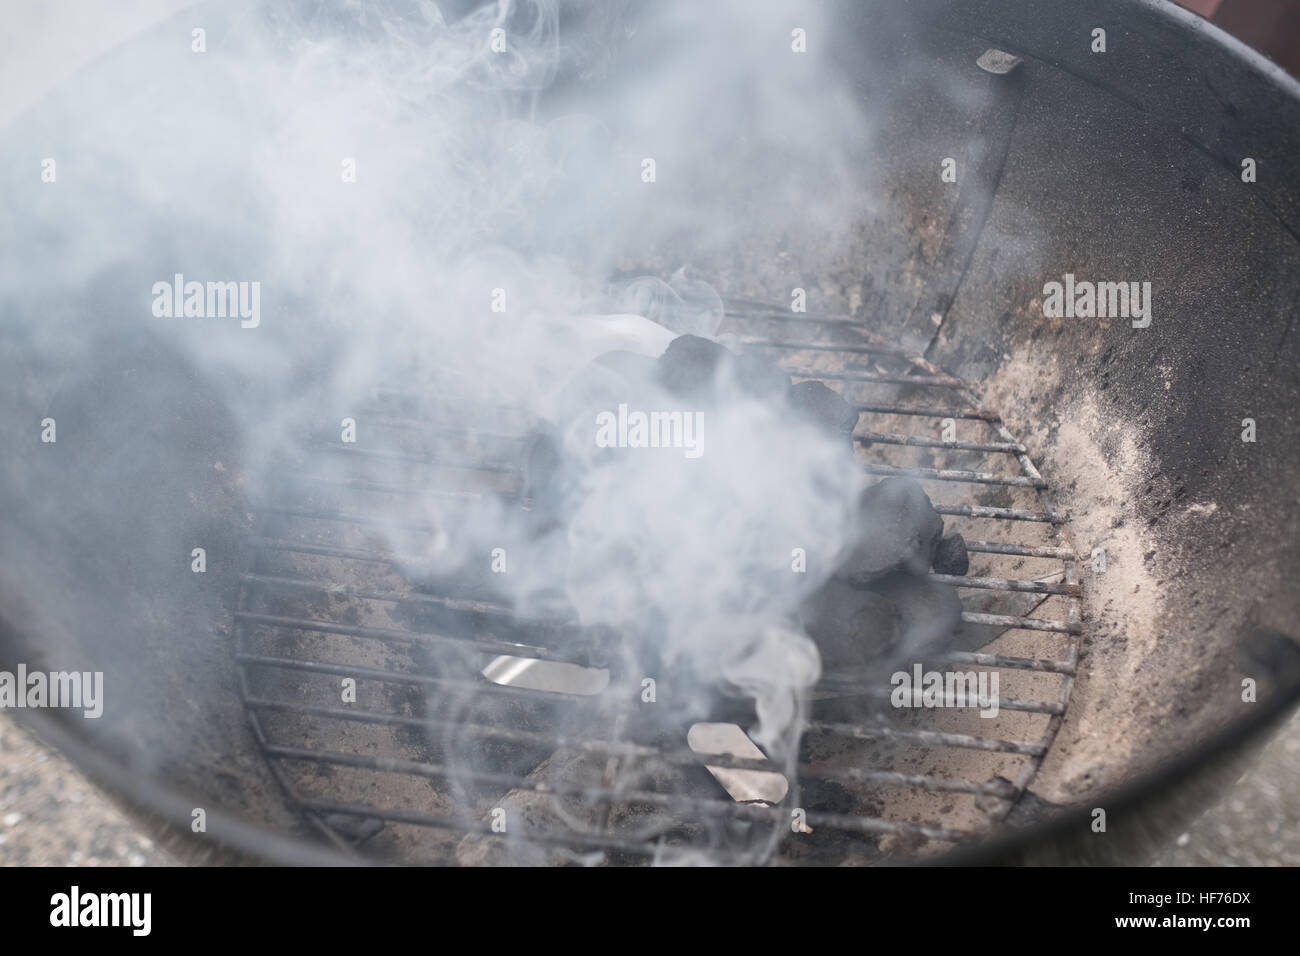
(324,601)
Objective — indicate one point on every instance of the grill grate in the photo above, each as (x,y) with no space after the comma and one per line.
(412,770)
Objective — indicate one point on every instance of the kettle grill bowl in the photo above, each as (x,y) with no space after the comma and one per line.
(1122,166)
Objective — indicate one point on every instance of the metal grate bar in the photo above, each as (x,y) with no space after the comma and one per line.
(1003,703)
(761,312)
(1010,663)
(945,474)
(392,634)
(468,688)
(858,375)
(462,605)
(922,441)
(1006,584)
(1019,623)
(1008,514)
(926,411)
(931,737)
(999,547)
(837,347)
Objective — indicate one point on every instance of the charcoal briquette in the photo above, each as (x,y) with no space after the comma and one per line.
(897,528)
(951,556)
(929,611)
(850,626)
(693,367)
(814,402)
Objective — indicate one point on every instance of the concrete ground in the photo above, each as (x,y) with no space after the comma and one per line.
(1257,823)
(50,815)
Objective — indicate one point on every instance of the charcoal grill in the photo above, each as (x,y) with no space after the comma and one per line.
(225,686)
(422,754)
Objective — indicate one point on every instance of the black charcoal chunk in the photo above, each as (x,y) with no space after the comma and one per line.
(929,611)
(950,556)
(851,627)
(690,364)
(693,368)
(814,402)
(897,528)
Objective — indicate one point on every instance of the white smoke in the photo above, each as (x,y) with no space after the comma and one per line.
(476,171)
